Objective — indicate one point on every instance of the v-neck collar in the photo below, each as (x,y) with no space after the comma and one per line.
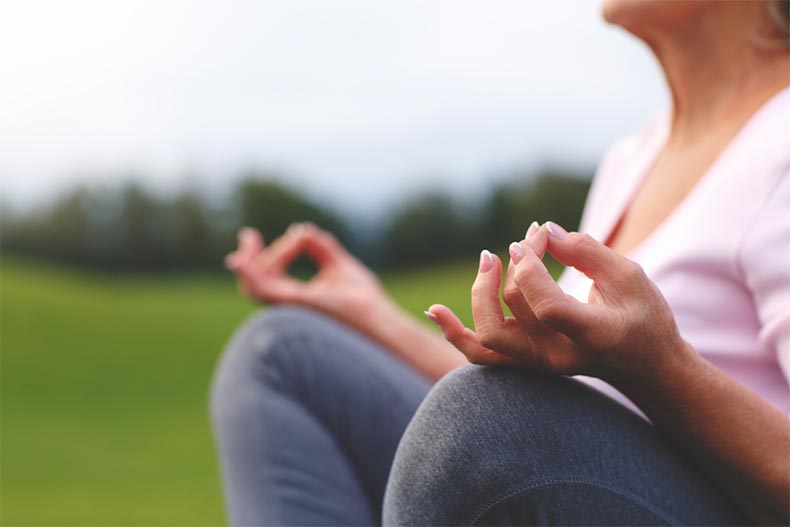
(619,203)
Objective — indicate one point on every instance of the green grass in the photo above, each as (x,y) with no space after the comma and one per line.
(104,386)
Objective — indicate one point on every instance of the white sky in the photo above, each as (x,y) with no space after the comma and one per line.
(360,102)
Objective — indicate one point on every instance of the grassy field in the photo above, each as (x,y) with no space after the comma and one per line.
(104,390)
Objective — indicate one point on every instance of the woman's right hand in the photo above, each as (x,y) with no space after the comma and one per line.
(343,287)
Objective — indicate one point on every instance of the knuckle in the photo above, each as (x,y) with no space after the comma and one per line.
(453,336)
(558,363)
(488,338)
(325,236)
(636,270)
(633,272)
(580,240)
(474,357)
(486,341)
(512,294)
(545,362)
(524,271)
(547,310)
(477,287)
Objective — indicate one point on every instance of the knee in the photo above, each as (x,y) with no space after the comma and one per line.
(258,352)
(479,432)
(430,478)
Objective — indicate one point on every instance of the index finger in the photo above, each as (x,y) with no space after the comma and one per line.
(299,239)
(550,304)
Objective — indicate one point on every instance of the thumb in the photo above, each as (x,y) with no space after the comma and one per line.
(602,264)
(269,288)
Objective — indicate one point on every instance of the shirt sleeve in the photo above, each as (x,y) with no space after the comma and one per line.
(765,262)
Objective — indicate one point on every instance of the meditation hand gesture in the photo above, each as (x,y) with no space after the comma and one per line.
(343,287)
(625,332)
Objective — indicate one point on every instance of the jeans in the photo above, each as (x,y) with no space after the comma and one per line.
(318,425)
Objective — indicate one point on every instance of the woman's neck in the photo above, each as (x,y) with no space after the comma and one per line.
(717,75)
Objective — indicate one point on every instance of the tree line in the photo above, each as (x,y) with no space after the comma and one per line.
(131,228)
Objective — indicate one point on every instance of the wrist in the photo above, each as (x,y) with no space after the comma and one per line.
(661,374)
(379,317)
(413,341)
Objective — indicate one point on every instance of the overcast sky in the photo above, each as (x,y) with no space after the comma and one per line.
(358,102)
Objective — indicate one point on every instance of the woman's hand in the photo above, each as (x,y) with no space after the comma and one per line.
(343,287)
(626,335)
(625,332)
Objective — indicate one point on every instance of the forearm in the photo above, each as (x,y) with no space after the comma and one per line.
(739,439)
(413,342)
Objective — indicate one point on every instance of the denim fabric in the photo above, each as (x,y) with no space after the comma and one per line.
(492,446)
(308,415)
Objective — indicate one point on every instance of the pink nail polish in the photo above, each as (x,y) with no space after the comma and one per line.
(516,252)
(533,228)
(486,261)
(555,230)
(433,318)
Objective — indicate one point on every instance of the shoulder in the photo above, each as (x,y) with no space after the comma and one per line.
(757,169)
(762,152)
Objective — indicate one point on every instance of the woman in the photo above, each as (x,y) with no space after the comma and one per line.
(311,405)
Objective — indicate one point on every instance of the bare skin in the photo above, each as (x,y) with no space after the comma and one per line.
(627,336)
(343,288)
(717,79)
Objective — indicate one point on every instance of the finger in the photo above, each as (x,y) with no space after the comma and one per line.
(465,340)
(300,239)
(322,246)
(537,240)
(512,293)
(547,301)
(244,286)
(534,226)
(608,268)
(493,330)
(270,288)
(518,305)
(246,274)
(486,307)
(250,241)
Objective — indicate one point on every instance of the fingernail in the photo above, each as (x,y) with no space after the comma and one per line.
(486,261)
(533,228)
(555,230)
(516,252)
(433,318)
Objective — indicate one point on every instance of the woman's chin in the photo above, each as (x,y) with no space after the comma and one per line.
(639,16)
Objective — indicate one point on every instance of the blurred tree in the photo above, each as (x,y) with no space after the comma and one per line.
(271,207)
(143,229)
(130,228)
(430,229)
(62,231)
(191,233)
(552,195)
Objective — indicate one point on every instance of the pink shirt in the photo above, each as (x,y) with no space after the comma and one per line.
(722,257)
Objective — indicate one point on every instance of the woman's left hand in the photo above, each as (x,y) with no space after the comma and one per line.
(626,331)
